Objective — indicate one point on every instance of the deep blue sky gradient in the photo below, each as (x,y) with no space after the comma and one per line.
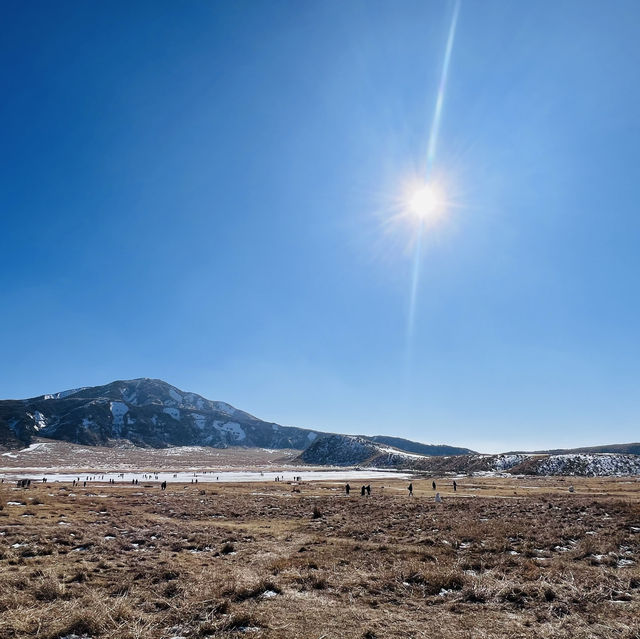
(199,192)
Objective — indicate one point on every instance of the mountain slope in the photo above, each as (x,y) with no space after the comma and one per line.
(352,450)
(147,412)
(421,449)
(580,464)
(625,449)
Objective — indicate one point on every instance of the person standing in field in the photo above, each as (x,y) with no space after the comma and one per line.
(433,484)
(410,489)
(362,490)
(455,486)
(347,489)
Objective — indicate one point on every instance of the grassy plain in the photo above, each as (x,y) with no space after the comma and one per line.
(502,557)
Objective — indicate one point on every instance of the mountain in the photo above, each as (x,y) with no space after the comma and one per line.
(147,412)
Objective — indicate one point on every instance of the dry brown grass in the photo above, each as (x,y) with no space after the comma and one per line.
(132,563)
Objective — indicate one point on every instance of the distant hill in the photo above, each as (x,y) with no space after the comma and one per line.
(347,450)
(624,449)
(580,464)
(353,450)
(436,450)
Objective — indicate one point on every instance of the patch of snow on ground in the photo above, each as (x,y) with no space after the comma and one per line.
(41,445)
(183,450)
(28,449)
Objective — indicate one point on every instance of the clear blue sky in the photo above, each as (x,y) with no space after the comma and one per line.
(199,192)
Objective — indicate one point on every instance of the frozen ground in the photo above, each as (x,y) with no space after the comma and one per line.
(64,462)
(208,477)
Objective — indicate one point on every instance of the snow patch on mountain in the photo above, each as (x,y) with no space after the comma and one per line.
(398,453)
(173,412)
(234,429)
(589,464)
(227,409)
(40,420)
(66,393)
(500,463)
(191,400)
(199,420)
(130,396)
(118,411)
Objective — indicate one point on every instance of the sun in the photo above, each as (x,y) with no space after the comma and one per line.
(426,202)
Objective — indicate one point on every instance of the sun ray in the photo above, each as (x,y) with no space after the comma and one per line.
(426,202)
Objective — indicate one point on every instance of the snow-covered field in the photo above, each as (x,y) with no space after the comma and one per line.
(208,477)
(64,462)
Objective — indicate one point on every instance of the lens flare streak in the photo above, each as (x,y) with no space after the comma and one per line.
(437,114)
(431,153)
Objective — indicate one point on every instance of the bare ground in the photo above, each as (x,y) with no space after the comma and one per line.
(502,557)
(59,456)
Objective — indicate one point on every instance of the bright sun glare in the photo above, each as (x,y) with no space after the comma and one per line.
(426,202)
